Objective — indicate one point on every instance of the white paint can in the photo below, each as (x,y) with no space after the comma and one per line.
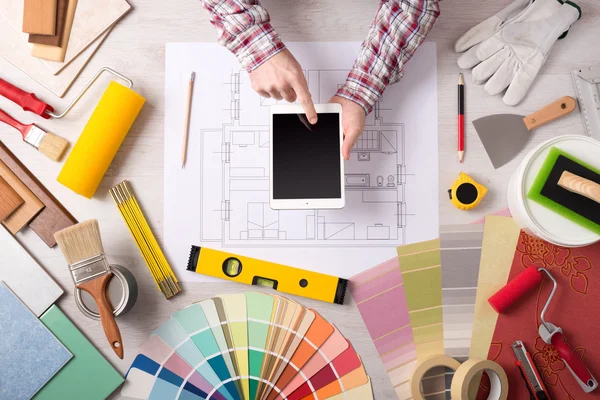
(538,220)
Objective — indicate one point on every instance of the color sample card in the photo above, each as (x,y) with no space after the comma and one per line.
(333,347)
(420,264)
(500,238)
(460,254)
(343,364)
(318,332)
(158,370)
(195,324)
(30,354)
(382,288)
(234,307)
(260,312)
(175,336)
(241,347)
(88,375)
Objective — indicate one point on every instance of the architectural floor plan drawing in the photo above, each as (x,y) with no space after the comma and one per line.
(239,213)
(221,198)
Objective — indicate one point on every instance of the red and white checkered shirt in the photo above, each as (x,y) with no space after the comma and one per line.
(399,28)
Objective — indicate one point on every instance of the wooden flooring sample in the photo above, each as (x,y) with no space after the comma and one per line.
(39,16)
(58,53)
(54,216)
(24,214)
(61,18)
(9,199)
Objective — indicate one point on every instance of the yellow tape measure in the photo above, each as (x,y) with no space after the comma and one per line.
(280,277)
(466,194)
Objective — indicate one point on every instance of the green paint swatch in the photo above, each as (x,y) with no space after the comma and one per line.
(260,311)
(420,264)
(88,375)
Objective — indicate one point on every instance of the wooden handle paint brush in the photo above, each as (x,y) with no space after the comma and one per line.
(81,245)
(49,144)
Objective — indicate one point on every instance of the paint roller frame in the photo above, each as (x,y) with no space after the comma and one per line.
(87,87)
(552,334)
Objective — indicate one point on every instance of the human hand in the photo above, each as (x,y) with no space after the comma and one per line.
(353,123)
(281,77)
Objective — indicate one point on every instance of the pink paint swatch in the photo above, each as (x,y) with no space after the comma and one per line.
(381,288)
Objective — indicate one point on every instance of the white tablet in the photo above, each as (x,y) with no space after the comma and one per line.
(306,164)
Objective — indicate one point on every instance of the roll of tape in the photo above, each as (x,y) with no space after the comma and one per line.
(437,360)
(464,375)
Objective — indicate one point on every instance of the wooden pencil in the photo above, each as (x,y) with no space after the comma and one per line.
(188,112)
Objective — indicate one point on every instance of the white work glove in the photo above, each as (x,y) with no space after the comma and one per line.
(490,26)
(514,56)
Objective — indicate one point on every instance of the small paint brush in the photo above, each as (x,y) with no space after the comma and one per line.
(49,144)
(81,245)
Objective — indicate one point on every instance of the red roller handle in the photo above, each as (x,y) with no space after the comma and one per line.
(7,119)
(27,101)
(515,289)
(575,365)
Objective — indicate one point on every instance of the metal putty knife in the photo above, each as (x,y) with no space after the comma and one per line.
(505,135)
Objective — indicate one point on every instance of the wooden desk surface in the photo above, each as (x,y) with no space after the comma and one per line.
(136,48)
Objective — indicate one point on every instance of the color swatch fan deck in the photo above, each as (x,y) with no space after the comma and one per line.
(245,347)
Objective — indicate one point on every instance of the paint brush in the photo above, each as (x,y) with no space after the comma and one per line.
(81,245)
(49,144)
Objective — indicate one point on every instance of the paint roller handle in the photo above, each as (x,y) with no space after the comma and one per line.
(559,108)
(97,289)
(7,119)
(27,101)
(577,184)
(577,368)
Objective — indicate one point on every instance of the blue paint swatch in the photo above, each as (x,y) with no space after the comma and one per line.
(30,355)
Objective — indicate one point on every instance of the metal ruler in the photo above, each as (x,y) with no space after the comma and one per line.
(587,86)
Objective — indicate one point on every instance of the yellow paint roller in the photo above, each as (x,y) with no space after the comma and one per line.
(101,138)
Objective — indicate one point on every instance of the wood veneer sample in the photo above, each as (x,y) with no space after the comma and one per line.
(9,199)
(54,216)
(58,53)
(39,16)
(32,206)
(61,18)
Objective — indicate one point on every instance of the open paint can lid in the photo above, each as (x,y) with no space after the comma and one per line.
(538,219)
(122,292)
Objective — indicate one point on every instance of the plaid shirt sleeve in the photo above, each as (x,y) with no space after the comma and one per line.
(245,29)
(399,28)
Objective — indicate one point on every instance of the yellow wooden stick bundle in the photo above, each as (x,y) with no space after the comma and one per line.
(161,271)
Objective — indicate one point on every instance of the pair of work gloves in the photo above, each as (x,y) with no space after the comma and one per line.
(507,51)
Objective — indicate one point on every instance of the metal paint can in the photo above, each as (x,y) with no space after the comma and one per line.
(122,293)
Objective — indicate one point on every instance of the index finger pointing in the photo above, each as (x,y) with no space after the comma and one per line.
(305,100)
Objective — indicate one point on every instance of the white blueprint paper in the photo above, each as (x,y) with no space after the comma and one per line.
(221,199)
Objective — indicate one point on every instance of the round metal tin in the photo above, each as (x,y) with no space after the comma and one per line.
(122,294)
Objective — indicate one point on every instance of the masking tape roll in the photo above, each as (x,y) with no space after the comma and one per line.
(101,138)
(464,374)
(437,360)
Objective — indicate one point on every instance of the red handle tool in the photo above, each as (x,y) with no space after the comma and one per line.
(551,334)
(578,369)
(24,129)
(27,101)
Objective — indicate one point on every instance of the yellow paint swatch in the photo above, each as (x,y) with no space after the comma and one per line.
(235,307)
(500,238)
(420,264)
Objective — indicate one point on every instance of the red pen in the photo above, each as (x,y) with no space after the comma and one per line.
(461,118)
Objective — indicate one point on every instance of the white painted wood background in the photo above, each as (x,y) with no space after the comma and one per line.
(136,48)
